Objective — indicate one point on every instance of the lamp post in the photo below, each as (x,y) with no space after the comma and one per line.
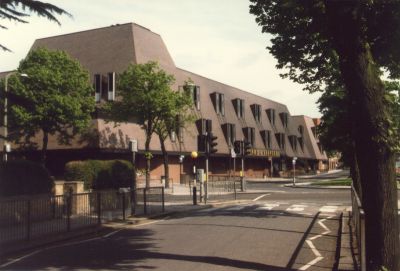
(181,157)
(294,170)
(194,156)
(133,148)
(6,146)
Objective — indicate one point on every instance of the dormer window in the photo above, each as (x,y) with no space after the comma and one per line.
(314,131)
(204,126)
(229,133)
(238,104)
(111,86)
(293,142)
(280,138)
(266,137)
(301,143)
(321,149)
(97,87)
(301,130)
(256,109)
(194,92)
(284,118)
(219,103)
(249,135)
(271,115)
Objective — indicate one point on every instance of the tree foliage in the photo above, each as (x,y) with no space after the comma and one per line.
(175,117)
(19,10)
(326,44)
(144,96)
(54,99)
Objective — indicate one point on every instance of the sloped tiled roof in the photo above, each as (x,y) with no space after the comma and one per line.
(113,48)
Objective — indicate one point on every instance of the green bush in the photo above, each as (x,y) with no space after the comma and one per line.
(24,177)
(97,174)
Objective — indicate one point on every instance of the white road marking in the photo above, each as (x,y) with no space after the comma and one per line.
(235,208)
(296,208)
(260,197)
(318,256)
(268,206)
(77,242)
(328,209)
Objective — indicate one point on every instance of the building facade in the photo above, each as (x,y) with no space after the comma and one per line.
(276,137)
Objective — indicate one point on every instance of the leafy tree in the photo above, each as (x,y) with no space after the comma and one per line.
(319,42)
(18,10)
(144,92)
(54,100)
(175,116)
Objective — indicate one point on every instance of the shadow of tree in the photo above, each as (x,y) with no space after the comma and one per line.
(130,249)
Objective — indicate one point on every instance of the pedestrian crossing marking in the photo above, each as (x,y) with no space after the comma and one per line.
(267,206)
(296,208)
(328,209)
(236,208)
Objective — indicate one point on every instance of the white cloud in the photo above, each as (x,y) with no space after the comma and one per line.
(217,39)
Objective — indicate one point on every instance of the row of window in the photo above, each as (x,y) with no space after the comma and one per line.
(204,126)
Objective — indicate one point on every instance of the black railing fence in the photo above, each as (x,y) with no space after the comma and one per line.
(27,218)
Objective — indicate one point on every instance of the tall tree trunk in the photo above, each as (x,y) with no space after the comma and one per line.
(148,160)
(44,147)
(165,158)
(369,115)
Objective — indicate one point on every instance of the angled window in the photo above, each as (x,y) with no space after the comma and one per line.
(256,109)
(238,104)
(218,102)
(229,133)
(321,149)
(314,131)
(284,118)
(178,130)
(301,130)
(97,87)
(204,126)
(280,138)
(271,115)
(301,143)
(194,92)
(249,135)
(293,142)
(111,86)
(266,137)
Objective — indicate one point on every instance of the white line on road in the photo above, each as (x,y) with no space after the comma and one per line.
(268,206)
(235,208)
(260,197)
(311,245)
(76,242)
(296,208)
(328,209)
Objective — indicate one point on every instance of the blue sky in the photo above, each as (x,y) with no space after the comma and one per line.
(216,39)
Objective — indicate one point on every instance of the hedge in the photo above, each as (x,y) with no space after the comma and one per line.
(22,177)
(97,174)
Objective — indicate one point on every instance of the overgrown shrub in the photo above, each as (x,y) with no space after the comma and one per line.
(24,177)
(97,174)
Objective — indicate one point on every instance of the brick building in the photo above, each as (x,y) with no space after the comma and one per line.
(276,136)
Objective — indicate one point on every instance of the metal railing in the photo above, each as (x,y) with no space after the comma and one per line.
(28,218)
(358,220)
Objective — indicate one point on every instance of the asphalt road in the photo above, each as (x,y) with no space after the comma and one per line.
(261,235)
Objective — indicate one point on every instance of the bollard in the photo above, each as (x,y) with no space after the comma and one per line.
(194,195)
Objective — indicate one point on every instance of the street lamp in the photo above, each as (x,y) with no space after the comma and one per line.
(294,170)
(6,146)
(194,155)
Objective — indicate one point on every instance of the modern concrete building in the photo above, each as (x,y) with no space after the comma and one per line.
(276,136)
